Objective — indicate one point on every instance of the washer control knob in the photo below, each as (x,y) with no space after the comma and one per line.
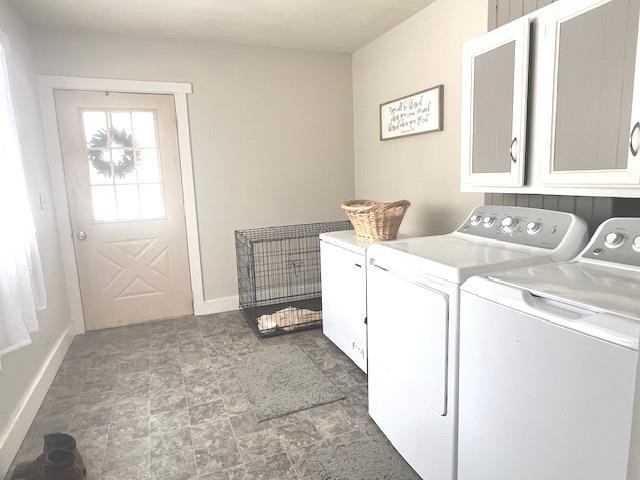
(636,244)
(509,222)
(613,240)
(488,221)
(476,219)
(533,228)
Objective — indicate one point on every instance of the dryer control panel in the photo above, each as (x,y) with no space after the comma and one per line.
(617,241)
(531,227)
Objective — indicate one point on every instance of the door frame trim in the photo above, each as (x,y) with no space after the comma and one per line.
(47,84)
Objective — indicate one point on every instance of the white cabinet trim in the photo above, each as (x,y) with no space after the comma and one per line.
(549,27)
(518,32)
(539,179)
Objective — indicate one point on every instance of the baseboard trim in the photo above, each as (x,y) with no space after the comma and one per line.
(12,435)
(217,305)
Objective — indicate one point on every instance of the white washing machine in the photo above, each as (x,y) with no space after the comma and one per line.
(412,307)
(548,365)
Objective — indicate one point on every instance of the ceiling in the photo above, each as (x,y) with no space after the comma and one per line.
(331,25)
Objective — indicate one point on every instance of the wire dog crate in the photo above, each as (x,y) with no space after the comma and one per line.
(279,276)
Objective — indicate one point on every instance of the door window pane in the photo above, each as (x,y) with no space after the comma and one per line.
(148,166)
(124,165)
(104,203)
(144,129)
(100,167)
(128,201)
(126,184)
(121,133)
(95,129)
(151,201)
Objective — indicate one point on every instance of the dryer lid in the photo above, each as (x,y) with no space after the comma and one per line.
(585,285)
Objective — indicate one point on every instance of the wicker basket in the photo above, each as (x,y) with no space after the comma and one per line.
(376,220)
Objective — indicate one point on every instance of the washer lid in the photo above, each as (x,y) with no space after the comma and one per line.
(555,302)
(452,257)
(585,285)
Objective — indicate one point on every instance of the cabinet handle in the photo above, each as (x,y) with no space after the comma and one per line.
(366,320)
(634,150)
(514,142)
(358,265)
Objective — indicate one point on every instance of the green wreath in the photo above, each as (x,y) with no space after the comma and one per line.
(100,139)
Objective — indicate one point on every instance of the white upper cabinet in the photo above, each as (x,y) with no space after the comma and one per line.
(494,107)
(587,94)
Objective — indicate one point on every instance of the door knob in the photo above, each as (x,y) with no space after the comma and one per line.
(81,235)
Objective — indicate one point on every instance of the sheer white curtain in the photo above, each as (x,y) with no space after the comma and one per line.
(22,290)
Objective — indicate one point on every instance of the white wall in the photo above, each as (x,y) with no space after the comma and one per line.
(273,134)
(421,52)
(22,368)
(271,129)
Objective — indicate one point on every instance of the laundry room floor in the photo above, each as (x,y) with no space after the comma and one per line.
(161,401)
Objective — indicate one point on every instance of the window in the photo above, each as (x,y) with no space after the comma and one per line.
(22,290)
(124,168)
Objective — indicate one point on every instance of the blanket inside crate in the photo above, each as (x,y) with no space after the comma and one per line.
(288,318)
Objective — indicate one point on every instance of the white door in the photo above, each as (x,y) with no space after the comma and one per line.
(495,70)
(344,301)
(122,168)
(588,91)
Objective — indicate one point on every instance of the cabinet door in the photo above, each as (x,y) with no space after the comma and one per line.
(494,107)
(589,93)
(344,301)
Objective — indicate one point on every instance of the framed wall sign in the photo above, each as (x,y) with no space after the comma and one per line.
(420,112)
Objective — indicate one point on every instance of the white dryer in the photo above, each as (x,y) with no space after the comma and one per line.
(412,307)
(548,365)
(344,293)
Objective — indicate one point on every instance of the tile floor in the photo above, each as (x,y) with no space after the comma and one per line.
(161,401)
